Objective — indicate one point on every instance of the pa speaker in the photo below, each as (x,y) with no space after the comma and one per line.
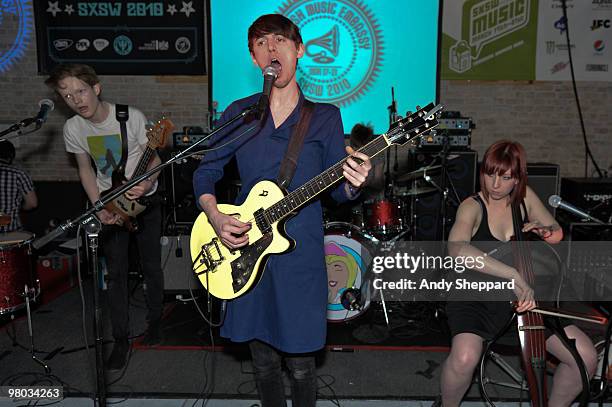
(176,265)
(427,208)
(543,178)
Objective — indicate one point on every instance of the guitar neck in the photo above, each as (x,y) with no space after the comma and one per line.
(143,163)
(311,189)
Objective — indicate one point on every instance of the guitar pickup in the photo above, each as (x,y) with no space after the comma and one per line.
(211,256)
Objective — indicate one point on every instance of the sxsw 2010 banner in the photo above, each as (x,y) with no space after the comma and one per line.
(525,39)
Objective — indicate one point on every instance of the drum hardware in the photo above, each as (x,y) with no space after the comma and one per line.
(417,190)
(30,329)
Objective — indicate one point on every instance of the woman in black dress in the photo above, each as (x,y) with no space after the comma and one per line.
(487,218)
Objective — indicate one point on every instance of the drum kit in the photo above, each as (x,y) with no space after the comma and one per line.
(374,225)
(18,285)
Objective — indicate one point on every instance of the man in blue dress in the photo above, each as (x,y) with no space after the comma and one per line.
(284,315)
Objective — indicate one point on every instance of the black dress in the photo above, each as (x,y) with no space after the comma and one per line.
(481,317)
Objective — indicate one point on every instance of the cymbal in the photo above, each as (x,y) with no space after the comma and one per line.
(415,191)
(417,173)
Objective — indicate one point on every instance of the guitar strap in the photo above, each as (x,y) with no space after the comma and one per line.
(122,116)
(289,163)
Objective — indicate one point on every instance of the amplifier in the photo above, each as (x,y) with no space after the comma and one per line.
(543,178)
(436,139)
(589,260)
(182,140)
(176,265)
(593,195)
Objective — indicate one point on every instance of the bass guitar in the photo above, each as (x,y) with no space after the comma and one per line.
(228,273)
(127,208)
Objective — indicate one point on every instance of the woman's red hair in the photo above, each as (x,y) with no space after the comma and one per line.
(500,157)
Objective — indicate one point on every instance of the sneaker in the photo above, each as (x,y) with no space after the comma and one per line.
(153,335)
(119,355)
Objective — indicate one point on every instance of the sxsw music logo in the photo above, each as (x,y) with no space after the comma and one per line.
(600,24)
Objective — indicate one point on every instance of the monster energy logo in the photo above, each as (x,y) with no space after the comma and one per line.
(492,19)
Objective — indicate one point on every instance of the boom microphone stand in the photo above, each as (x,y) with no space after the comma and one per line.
(92,226)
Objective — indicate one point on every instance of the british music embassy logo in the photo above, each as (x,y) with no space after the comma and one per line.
(344,49)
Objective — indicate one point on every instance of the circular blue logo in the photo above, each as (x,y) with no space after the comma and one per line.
(343,48)
(16,22)
(122,45)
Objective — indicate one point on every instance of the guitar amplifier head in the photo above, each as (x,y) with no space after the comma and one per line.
(593,195)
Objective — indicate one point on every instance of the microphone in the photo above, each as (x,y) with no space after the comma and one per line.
(556,202)
(46,106)
(351,299)
(270,73)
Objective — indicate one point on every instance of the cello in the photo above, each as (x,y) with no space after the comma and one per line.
(531,329)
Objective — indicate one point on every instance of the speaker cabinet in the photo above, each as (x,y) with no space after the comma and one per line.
(427,208)
(176,265)
(544,179)
(183,202)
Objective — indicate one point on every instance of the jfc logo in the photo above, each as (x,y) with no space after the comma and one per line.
(16,23)
(343,49)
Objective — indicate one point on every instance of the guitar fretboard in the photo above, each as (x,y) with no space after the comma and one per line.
(318,184)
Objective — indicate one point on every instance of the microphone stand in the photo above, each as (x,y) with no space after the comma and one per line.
(17,127)
(92,227)
(392,108)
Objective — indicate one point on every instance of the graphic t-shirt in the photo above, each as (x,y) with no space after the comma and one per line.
(102,141)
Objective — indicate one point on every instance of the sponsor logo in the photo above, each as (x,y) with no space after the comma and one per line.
(600,24)
(597,67)
(122,45)
(599,46)
(558,67)
(155,45)
(16,31)
(552,47)
(62,44)
(559,4)
(601,4)
(561,25)
(343,53)
(82,44)
(100,44)
(182,45)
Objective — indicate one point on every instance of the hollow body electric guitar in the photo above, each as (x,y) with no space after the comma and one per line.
(127,208)
(229,274)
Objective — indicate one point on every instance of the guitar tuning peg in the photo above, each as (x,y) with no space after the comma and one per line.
(418,107)
(408,113)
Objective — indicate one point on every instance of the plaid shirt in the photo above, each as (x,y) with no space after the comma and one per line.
(14,184)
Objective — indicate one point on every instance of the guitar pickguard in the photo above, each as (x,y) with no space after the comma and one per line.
(243,266)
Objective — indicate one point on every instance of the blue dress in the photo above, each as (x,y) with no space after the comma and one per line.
(287,308)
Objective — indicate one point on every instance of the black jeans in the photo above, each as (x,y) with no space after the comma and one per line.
(267,362)
(115,244)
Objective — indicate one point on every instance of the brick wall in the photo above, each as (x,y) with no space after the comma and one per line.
(541,115)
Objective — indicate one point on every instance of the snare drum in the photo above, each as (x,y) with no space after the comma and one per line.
(384,218)
(15,269)
(347,257)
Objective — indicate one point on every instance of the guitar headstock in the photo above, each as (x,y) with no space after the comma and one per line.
(416,124)
(158,133)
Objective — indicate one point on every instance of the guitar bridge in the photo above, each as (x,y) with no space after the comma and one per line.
(211,256)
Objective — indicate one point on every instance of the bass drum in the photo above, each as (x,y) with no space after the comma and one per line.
(348,259)
(15,270)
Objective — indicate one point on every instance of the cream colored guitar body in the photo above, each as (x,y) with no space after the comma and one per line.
(226,273)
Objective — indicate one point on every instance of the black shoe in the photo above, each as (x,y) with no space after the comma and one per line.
(153,335)
(119,355)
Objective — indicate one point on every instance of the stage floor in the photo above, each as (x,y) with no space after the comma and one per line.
(354,376)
